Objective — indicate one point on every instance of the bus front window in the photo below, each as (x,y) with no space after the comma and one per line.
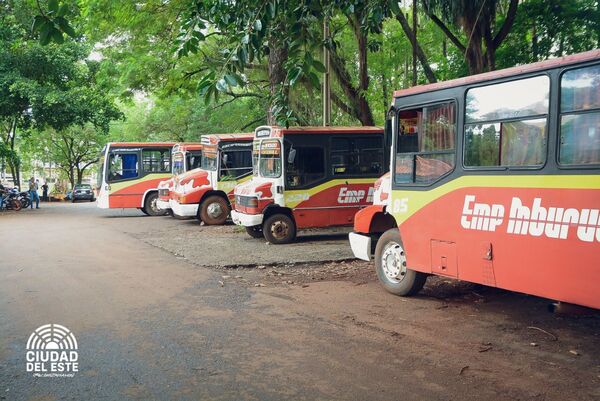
(122,166)
(255,153)
(194,159)
(178,163)
(100,171)
(270,159)
(209,158)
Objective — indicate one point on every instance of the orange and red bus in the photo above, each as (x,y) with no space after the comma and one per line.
(207,192)
(309,177)
(129,173)
(495,180)
(186,156)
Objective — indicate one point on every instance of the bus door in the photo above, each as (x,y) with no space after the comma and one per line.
(123,167)
(305,179)
(235,166)
(358,161)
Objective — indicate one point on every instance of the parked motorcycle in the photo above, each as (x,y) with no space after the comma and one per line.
(25,199)
(11,200)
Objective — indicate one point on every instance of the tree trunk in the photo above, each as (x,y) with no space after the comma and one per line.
(414,52)
(534,42)
(364,110)
(277,57)
(72,176)
(14,163)
(384,94)
(419,51)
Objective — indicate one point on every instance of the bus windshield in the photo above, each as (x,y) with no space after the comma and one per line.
(209,158)
(194,159)
(270,158)
(178,163)
(100,171)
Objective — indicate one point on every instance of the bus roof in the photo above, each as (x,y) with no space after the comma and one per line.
(185,146)
(141,144)
(507,72)
(215,138)
(279,131)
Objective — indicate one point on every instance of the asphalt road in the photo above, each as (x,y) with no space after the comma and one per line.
(158,319)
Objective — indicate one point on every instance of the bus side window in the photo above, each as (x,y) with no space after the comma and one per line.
(122,166)
(357,156)
(510,133)
(580,117)
(308,167)
(156,161)
(425,147)
(235,163)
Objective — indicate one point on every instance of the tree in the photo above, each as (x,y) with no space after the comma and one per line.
(73,149)
(46,86)
(477,20)
(549,28)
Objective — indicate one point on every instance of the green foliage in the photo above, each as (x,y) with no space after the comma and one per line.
(51,22)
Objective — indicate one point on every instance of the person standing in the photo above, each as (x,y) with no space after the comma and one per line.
(45,192)
(2,190)
(33,194)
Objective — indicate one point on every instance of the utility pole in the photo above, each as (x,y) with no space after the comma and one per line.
(326,76)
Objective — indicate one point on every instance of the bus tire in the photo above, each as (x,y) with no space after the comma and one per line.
(151,207)
(255,232)
(390,265)
(214,210)
(279,229)
(143,210)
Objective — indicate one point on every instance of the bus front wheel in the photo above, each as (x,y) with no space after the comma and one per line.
(390,265)
(151,206)
(279,229)
(214,210)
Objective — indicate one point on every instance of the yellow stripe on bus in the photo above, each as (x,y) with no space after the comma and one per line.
(416,200)
(294,197)
(124,184)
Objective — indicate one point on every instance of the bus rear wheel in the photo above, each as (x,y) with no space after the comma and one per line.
(390,265)
(214,210)
(255,232)
(151,206)
(279,229)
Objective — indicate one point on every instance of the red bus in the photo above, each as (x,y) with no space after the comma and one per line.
(207,192)
(129,173)
(186,156)
(307,177)
(495,180)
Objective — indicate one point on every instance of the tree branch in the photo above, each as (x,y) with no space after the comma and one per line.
(420,54)
(251,123)
(444,28)
(508,23)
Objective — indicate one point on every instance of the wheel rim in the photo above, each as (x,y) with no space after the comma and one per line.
(214,210)
(280,229)
(393,262)
(154,205)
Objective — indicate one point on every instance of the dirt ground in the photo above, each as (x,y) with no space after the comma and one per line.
(167,309)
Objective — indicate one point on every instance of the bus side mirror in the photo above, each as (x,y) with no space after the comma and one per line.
(291,156)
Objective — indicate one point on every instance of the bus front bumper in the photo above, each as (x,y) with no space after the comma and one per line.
(184,210)
(247,220)
(361,246)
(163,204)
